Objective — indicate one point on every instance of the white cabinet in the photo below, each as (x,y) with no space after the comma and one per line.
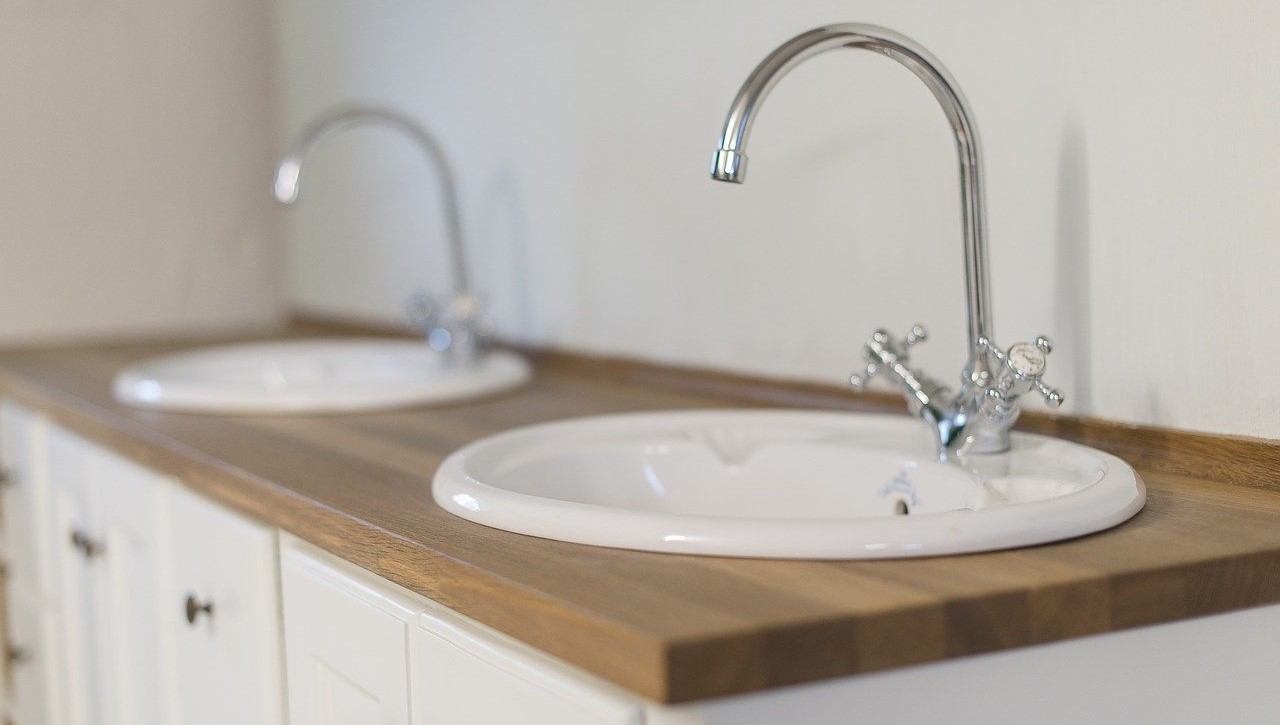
(75,542)
(30,641)
(162,608)
(126,584)
(104,529)
(31,660)
(361,650)
(465,674)
(22,471)
(220,608)
(346,638)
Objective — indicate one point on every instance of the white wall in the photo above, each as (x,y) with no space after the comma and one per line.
(1133,178)
(135,156)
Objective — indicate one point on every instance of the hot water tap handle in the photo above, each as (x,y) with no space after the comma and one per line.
(1021,370)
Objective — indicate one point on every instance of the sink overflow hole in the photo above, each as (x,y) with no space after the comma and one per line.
(900,508)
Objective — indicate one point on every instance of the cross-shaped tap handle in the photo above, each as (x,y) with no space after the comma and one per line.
(881,349)
(1021,370)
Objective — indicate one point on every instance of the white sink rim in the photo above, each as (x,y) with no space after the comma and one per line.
(1117,496)
(172,382)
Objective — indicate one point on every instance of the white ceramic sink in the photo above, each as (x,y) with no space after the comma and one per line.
(312,376)
(786,484)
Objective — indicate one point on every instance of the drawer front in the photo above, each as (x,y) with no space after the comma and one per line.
(220,605)
(346,644)
(467,675)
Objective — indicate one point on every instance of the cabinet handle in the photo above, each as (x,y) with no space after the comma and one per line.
(92,548)
(194,608)
(8,479)
(86,545)
(16,655)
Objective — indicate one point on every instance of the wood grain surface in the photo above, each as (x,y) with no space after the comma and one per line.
(680,628)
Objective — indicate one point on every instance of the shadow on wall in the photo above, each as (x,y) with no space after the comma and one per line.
(1072,286)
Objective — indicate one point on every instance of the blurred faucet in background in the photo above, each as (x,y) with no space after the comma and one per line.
(452,324)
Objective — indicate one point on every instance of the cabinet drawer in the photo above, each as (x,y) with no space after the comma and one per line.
(346,642)
(465,674)
(221,605)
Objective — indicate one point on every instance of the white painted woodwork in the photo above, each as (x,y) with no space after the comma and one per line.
(361,650)
(22,440)
(226,667)
(467,674)
(71,510)
(346,641)
(30,695)
(116,646)
(33,692)
(105,604)
(128,640)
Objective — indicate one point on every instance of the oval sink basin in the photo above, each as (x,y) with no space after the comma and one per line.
(312,376)
(784,484)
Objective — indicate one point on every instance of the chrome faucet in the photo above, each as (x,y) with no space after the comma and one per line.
(977,418)
(453,326)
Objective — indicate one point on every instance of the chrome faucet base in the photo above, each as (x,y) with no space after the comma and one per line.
(453,326)
(977,419)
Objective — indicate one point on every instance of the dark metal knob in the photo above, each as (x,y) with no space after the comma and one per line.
(8,479)
(86,545)
(194,608)
(92,548)
(16,655)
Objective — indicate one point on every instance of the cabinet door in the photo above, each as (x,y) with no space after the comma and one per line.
(21,448)
(221,603)
(127,586)
(465,674)
(31,661)
(346,642)
(70,533)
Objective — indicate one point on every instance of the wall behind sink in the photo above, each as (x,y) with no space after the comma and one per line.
(1133,178)
(135,144)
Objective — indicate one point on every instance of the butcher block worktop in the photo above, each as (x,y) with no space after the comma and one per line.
(681,628)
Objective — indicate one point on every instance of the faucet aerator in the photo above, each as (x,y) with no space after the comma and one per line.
(288,173)
(729,165)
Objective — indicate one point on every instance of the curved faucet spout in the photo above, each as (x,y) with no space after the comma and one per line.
(289,170)
(729,163)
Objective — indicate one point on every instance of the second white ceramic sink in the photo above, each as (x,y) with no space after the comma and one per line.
(312,376)
(787,484)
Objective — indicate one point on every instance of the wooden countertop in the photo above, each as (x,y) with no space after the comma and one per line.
(681,628)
